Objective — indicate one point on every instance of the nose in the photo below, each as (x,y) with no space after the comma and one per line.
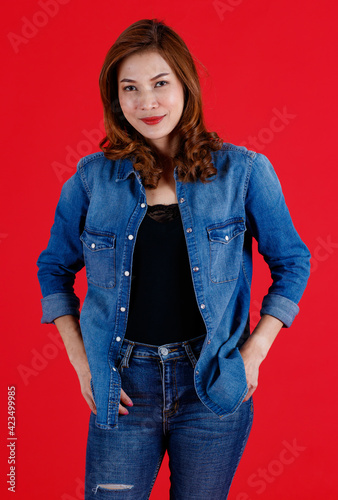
(147,100)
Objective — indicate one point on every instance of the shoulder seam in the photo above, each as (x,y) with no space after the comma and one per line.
(238,149)
(93,156)
(80,169)
(248,175)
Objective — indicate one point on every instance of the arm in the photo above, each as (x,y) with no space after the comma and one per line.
(58,265)
(69,329)
(270,223)
(63,257)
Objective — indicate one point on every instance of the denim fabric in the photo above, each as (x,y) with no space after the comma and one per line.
(96,222)
(203,450)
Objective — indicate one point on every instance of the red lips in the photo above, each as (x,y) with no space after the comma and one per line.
(152,120)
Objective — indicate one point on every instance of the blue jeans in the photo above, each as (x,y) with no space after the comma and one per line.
(203,450)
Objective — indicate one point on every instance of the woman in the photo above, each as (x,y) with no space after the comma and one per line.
(163,220)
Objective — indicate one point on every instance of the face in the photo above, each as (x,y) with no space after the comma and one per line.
(148,88)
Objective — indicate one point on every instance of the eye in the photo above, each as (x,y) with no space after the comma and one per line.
(128,87)
(162,81)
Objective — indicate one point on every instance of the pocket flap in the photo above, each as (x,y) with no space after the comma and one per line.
(226,231)
(98,241)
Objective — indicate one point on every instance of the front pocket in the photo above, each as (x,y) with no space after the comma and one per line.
(99,257)
(226,241)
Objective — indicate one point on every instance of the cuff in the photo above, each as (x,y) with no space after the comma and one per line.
(59,304)
(280,307)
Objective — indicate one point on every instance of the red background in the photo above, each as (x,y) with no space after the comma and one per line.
(263,57)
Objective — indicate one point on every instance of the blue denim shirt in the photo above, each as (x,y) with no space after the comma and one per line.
(96,222)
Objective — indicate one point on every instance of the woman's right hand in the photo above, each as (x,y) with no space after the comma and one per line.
(84,379)
(70,331)
(125,400)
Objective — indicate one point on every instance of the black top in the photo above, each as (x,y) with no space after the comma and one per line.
(163,307)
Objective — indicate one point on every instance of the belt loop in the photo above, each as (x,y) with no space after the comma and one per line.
(190,354)
(126,357)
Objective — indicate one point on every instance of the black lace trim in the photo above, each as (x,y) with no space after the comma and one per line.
(163,213)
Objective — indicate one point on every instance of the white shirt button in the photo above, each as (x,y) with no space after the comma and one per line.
(118,339)
(202,306)
(122,309)
(143,205)
(164,351)
(130,237)
(189,230)
(227,238)
(114,368)
(126,273)
(93,245)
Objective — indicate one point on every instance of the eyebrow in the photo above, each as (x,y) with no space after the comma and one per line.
(151,79)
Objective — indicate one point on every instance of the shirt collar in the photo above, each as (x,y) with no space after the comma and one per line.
(125,168)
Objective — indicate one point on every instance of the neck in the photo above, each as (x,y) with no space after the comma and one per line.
(167,165)
(166,149)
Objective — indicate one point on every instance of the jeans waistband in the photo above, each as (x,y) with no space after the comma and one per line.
(191,348)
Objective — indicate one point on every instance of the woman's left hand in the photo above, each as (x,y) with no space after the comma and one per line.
(252,361)
(256,347)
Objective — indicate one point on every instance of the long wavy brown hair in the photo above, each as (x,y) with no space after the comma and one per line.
(193,156)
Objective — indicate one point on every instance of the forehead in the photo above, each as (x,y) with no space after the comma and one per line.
(142,64)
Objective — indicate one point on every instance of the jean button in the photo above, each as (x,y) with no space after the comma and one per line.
(164,351)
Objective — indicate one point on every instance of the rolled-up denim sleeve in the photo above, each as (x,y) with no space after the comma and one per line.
(270,223)
(63,257)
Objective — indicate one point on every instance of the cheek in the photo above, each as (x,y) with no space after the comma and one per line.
(176,100)
(127,104)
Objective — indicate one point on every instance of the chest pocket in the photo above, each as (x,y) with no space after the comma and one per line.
(99,256)
(225,248)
